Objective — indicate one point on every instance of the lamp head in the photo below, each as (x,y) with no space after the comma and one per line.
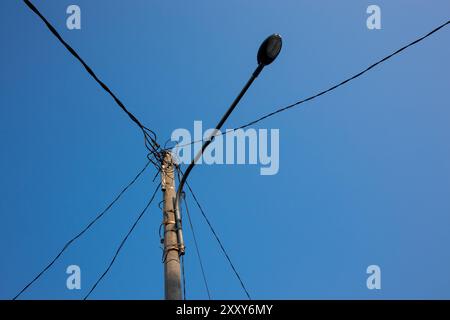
(269,50)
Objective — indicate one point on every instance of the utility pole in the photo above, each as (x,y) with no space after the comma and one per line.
(172,250)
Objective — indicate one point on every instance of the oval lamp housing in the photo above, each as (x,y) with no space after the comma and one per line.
(269,49)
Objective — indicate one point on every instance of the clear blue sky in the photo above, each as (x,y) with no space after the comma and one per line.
(364,172)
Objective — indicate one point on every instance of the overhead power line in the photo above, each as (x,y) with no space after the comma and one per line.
(123,242)
(205,281)
(199,256)
(219,242)
(149,135)
(346,80)
(357,75)
(66,246)
(155,157)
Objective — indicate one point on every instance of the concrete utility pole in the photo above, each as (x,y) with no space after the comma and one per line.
(172,282)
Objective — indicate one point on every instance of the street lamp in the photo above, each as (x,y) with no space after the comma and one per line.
(267,53)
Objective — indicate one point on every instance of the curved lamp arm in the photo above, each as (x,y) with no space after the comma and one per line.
(267,53)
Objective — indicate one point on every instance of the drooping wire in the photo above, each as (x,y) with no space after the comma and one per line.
(123,242)
(357,75)
(100,215)
(346,80)
(195,239)
(218,240)
(149,135)
(198,251)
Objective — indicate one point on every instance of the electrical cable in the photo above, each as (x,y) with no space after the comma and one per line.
(357,75)
(198,250)
(149,135)
(346,80)
(83,231)
(218,240)
(123,242)
(195,241)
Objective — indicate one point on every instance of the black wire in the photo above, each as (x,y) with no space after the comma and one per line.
(195,241)
(83,231)
(346,80)
(218,240)
(197,249)
(153,145)
(331,88)
(123,242)
(150,145)
(156,163)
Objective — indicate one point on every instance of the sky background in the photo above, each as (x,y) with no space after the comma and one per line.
(364,171)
